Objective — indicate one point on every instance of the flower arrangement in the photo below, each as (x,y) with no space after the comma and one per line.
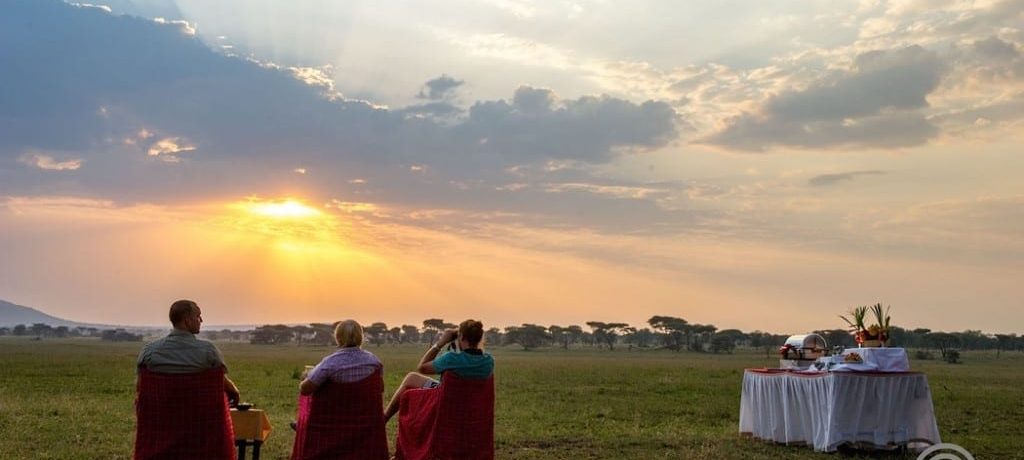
(874,335)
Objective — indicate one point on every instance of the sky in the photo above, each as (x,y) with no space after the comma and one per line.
(752,165)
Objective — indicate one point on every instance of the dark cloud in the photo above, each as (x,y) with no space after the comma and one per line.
(85,84)
(993,59)
(437,109)
(832,179)
(875,104)
(879,80)
(995,48)
(440,88)
(535,125)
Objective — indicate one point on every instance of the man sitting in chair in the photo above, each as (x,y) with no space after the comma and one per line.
(181,352)
(471,362)
(182,395)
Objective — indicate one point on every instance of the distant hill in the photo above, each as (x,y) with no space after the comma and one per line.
(13,315)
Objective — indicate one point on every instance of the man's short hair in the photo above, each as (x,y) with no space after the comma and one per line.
(472,330)
(180,310)
(348,333)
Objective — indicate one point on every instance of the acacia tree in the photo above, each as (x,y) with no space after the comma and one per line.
(560,335)
(395,335)
(432,327)
(643,337)
(41,329)
(377,333)
(323,334)
(723,342)
(1004,342)
(607,332)
(575,334)
(529,336)
(493,336)
(702,334)
(767,341)
(271,334)
(410,333)
(672,328)
(944,341)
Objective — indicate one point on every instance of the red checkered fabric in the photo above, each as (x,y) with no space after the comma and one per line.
(342,421)
(182,416)
(452,422)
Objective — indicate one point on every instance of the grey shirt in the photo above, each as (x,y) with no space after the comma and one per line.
(180,353)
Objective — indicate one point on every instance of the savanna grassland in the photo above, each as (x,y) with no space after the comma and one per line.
(73,399)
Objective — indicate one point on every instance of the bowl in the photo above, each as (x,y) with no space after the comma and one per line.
(244,406)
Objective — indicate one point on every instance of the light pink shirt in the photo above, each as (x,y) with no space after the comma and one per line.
(350,364)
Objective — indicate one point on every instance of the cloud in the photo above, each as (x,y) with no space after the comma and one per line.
(316,76)
(169,146)
(832,179)
(436,109)
(616,191)
(90,5)
(47,162)
(878,80)
(536,124)
(117,84)
(440,88)
(875,103)
(184,26)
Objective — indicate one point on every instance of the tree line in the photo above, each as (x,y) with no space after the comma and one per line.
(665,332)
(43,330)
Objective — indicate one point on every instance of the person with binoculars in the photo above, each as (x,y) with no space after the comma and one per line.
(469,361)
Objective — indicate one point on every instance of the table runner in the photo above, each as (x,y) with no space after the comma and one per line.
(251,425)
(827,410)
(875,359)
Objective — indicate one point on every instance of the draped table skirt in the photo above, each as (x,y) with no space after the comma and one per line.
(829,409)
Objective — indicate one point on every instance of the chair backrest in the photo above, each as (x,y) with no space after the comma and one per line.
(469,405)
(342,421)
(182,416)
(453,421)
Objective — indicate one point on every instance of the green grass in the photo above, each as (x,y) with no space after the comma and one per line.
(64,399)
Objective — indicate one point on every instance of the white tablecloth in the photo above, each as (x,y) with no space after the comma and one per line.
(830,409)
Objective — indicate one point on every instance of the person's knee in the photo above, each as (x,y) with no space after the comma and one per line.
(414,380)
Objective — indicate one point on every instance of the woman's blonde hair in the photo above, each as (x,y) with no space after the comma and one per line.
(348,333)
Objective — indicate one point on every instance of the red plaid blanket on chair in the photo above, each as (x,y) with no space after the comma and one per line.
(342,421)
(452,422)
(182,416)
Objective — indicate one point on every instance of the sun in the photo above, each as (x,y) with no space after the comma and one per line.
(287,222)
(287,209)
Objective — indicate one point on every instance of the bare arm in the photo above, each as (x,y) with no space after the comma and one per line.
(426,365)
(307,387)
(232,391)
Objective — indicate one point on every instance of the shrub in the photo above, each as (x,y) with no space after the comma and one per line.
(924,355)
(953,356)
